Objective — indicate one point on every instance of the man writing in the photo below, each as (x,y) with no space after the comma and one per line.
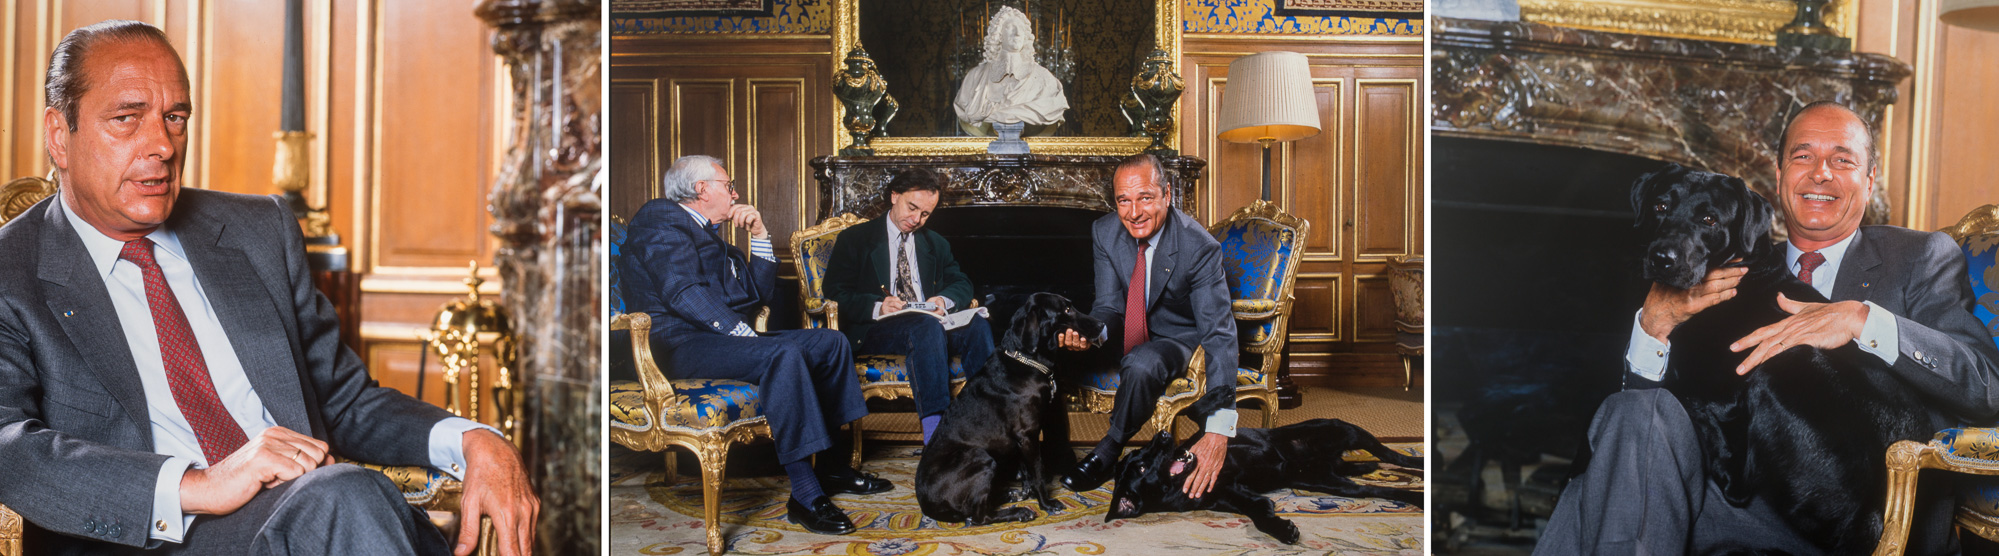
(702,294)
(880,266)
(1900,295)
(1161,287)
(169,378)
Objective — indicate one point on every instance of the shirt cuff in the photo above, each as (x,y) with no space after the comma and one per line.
(761,249)
(1222,423)
(743,329)
(169,523)
(948,305)
(1880,336)
(1646,354)
(447,444)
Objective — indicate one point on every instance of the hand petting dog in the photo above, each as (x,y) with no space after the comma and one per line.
(1821,325)
(1209,453)
(1666,307)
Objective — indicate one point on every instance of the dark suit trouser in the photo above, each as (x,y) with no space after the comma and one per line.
(928,348)
(1646,491)
(333,510)
(1142,376)
(805,381)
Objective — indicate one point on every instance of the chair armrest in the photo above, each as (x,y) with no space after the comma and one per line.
(763,319)
(824,308)
(658,392)
(10,532)
(1254,309)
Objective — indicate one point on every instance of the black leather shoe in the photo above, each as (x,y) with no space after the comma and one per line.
(823,518)
(847,480)
(1088,474)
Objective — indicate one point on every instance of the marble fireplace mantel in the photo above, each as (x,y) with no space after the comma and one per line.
(1712,105)
(854,183)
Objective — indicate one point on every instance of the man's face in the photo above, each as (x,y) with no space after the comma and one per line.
(121,168)
(714,195)
(1141,204)
(910,209)
(1823,180)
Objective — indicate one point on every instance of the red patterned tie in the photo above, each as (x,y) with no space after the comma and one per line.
(187,371)
(1807,263)
(1134,303)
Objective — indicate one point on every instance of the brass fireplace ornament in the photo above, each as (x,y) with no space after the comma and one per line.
(456,336)
(864,95)
(1149,108)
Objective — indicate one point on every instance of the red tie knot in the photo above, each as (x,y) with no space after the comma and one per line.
(140,252)
(1810,261)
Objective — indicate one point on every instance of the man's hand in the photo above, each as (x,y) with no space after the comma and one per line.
(1209,453)
(747,217)
(892,304)
(938,302)
(1666,306)
(1822,325)
(496,486)
(274,456)
(1071,341)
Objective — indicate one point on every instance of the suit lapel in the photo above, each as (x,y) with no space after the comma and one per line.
(248,315)
(878,252)
(1162,268)
(1858,272)
(83,306)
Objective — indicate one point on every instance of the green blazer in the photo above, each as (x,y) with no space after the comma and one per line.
(858,273)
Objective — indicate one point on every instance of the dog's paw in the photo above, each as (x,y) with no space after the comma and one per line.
(1019,514)
(1051,506)
(1015,494)
(1286,531)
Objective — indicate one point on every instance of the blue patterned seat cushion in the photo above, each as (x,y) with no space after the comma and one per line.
(705,404)
(1979,253)
(420,485)
(1974,445)
(1107,381)
(889,369)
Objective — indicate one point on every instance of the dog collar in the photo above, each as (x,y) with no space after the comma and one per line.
(1030,362)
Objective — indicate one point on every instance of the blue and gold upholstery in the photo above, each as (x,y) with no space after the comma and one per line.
(1971,450)
(703,416)
(882,377)
(616,235)
(1261,250)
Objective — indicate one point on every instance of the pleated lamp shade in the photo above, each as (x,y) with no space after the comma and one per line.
(1269,98)
(1976,14)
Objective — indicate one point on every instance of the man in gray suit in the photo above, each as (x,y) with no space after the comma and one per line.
(1899,294)
(1161,288)
(170,380)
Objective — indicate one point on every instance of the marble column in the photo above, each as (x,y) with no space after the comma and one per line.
(545,206)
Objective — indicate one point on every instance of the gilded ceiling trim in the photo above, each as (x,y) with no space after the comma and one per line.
(1743,21)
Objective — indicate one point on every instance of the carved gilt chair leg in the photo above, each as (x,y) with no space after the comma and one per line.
(856,425)
(672,466)
(1408,378)
(712,476)
(1269,397)
(1902,471)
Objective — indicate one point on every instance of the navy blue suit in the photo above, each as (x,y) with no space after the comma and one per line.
(698,290)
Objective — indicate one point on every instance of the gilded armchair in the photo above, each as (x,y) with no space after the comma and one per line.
(1405,282)
(882,377)
(1971,450)
(1261,249)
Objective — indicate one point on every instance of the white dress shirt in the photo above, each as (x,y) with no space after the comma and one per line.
(899,250)
(1879,336)
(172,436)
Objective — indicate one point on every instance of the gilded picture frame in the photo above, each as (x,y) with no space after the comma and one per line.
(1742,21)
(846,34)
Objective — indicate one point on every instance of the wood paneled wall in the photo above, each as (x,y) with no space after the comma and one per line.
(404,102)
(1359,181)
(1938,138)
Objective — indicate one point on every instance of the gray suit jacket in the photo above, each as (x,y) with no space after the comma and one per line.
(1945,352)
(1188,298)
(75,438)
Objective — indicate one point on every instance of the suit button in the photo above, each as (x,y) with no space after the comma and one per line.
(1919,355)
(114,531)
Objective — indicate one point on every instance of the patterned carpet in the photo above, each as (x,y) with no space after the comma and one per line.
(650,515)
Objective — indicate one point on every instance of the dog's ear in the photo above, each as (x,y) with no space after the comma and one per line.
(1024,331)
(1647,187)
(1752,233)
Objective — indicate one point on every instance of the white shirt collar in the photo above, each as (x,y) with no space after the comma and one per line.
(698,218)
(104,251)
(1833,253)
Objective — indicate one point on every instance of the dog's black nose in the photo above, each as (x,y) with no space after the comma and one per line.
(1663,259)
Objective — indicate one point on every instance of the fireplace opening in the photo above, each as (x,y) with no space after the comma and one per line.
(1009,252)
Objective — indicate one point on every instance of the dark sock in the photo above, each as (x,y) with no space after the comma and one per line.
(804,482)
(930,426)
(1108,449)
(836,457)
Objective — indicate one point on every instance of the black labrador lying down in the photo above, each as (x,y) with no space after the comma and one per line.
(1304,456)
(993,430)
(1808,429)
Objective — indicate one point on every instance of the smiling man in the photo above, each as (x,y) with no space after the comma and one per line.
(170,380)
(880,266)
(1899,295)
(1161,287)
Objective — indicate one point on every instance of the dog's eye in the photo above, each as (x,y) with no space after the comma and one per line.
(1661,207)
(1709,220)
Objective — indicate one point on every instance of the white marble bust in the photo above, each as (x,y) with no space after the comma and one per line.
(1007,86)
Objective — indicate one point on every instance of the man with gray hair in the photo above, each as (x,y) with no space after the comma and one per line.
(703,294)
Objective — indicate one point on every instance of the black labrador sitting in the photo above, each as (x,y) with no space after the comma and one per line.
(1304,456)
(993,430)
(1808,429)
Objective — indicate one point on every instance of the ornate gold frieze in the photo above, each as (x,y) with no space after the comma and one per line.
(1744,21)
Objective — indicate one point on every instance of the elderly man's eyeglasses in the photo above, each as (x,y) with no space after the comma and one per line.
(731,184)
